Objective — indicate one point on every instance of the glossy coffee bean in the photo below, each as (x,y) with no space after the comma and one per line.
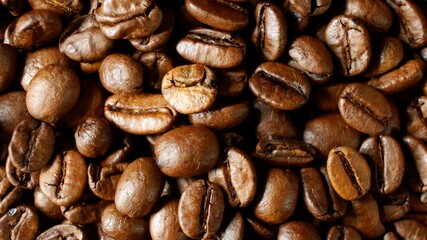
(280,86)
(139,188)
(231,82)
(375,15)
(417,150)
(103,179)
(156,64)
(21,222)
(187,151)
(394,206)
(142,114)
(117,225)
(237,176)
(213,48)
(201,209)
(65,8)
(349,172)
(9,194)
(297,230)
(262,229)
(364,108)
(415,113)
(12,111)
(164,223)
(21,179)
(410,229)
(233,227)
(93,137)
(343,233)
(326,97)
(43,205)
(86,211)
(65,230)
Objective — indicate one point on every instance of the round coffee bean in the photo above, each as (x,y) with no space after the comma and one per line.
(349,172)
(298,230)
(375,14)
(117,225)
(93,137)
(12,112)
(46,207)
(164,223)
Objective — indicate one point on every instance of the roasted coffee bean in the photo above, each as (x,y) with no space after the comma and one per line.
(190,88)
(9,63)
(84,41)
(394,124)
(416,113)
(164,223)
(270,204)
(412,22)
(274,122)
(280,86)
(312,57)
(9,194)
(90,67)
(279,151)
(262,229)
(271,31)
(387,163)
(231,82)
(222,115)
(103,180)
(34,29)
(201,209)
(327,131)
(21,222)
(416,163)
(140,113)
(306,8)
(320,198)
(52,84)
(93,137)
(32,145)
(121,74)
(117,225)
(386,55)
(15,7)
(139,187)
(364,108)
(124,150)
(326,97)
(12,111)
(349,172)
(85,211)
(349,39)
(375,15)
(46,207)
(67,8)
(156,65)
(233,227)
(363,215)
(128,19)
(237,176)
(297,230)
(343,233)
(187,151)
(213,48)
(394,206)
(64,231)
(21,179)
(65,179)
(410,229)
(219,14)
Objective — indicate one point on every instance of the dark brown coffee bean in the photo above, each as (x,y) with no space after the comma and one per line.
(20,222)
(46,207)
(139,188)
(274,122)
(64,231)
(222,115)
(364,108)
(326,97)
(128,19)
(416,113)
(84,41)
(52,84)
(190,88)
(270,204)
(231,82)
(386,158)
(233,227)
(121,74)
(140,113)
(311,56)
(343,233)
(65,179)
(9,194)
(386,55)
(297,230)
(201,209)
(237,176)
(262,229)
(279,151)
(9,63)
(410,229)
(32,145)
(37,60)
(21,179)
(394,124)
(164,223)
(280,86)
(67,8)
(349,40)
(34,29)
(375,15)
(85,211)
(306,8)
(271,31)
(213,48)
(394,206)
(103,180)
(400,79)
(319,196)
(412,22)
(117,225)
(12,111)
(219,14)
(93,137)
(416,163)
(363,215)
(156,65)
(349,172)
(327,131)
(187,151)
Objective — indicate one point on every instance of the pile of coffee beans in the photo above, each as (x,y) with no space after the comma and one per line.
(213,119)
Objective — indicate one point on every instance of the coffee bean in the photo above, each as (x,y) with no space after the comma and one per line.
(280,86)
(394,206)
(65,8)
(349,172)
(416,163)
(21,179)
(231,82)
(375,15)
(343,233)
(49,209)
(262,229)
(233,227)
(156,65)
(21,222)
(326,97)
(93,137)
(103,180)
(65,230)
(85,211)
(297,230)
(410,229)
(12,112)
(9,63)
(9,194)
(164,220)
(415,113)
